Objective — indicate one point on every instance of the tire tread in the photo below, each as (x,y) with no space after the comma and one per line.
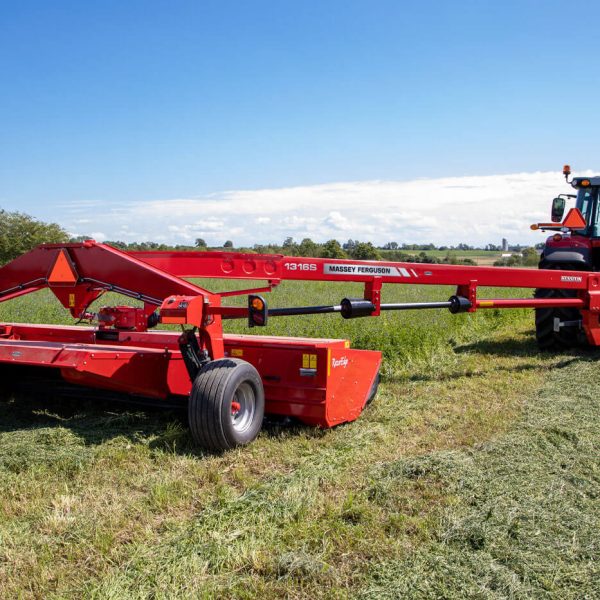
(206,405)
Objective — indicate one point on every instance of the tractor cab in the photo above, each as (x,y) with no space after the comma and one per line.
(587,204)
(576,241)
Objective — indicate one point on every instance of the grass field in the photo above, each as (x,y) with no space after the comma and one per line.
(474,473)
(481,257)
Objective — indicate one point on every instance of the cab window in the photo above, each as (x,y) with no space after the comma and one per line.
(586,203)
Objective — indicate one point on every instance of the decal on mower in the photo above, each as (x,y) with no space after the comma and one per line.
(361,269)
(290,266)
(309,361)
(574,278)
(339,362)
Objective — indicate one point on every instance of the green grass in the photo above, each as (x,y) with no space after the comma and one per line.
(481,257)
(473,474)
(463,253)
(522,515)
(409,341)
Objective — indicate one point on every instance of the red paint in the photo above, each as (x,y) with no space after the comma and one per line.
(150,364)
(321,382)
(568,242)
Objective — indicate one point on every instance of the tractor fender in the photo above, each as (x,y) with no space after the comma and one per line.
(580,258)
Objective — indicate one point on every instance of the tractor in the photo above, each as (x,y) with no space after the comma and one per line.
(574,246)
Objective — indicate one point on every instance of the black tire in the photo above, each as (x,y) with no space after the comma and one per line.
(373,390)
(566,337)
(216,390)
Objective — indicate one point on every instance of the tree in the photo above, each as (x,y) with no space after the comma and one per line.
(290,248)
(119,245)
(365,251)
(228,244)
(451,257)
(514,260)
(20,233)
(332,249)
(308,248)
(530,257)
(200,243)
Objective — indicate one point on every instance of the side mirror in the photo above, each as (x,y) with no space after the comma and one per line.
(558,209)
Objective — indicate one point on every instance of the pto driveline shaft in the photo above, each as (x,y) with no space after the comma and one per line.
(352,308)
(303,310)
(415,305)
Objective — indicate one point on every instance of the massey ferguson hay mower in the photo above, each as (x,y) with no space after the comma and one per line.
(229,382)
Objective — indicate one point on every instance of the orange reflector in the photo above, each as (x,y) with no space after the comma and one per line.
(574,220)
(258,304)
(534,227)
(584,182)
(63,272)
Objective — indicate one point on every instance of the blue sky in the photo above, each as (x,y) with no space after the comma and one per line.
(109,106)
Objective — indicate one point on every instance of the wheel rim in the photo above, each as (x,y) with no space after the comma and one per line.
(243,407)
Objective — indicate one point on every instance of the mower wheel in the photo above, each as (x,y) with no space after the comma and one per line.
(226,405)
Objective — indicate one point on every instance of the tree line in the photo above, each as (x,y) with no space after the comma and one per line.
(20,232)
(353,249)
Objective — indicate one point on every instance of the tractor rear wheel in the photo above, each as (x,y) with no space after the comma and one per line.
(566,337)
(226,405)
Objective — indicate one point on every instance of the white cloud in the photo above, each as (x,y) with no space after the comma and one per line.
(475,210)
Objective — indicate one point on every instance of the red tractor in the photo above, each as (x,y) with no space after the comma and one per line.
(575,246)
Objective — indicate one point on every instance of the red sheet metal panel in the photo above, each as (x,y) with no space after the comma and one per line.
(351,375)
(321,382)
(318,381)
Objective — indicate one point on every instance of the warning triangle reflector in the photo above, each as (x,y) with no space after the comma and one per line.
(574,220)
(63,271)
